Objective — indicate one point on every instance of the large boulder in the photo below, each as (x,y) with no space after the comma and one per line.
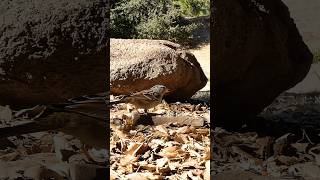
(51,50)
(137,64)
(257,54)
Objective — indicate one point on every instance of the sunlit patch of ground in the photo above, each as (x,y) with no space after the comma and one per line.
(202,54)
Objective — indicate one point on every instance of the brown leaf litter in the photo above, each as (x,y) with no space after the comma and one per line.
(171,142)
(42,155)
(291,151)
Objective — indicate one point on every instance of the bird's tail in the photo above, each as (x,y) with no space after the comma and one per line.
(31,127)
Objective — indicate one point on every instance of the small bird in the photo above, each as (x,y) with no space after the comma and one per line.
(144,99)
(85,119)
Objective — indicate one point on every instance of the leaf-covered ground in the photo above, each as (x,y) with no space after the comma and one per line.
(287,148)
(171,143)
(44,155)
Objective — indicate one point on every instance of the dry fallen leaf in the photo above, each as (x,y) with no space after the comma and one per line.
(171,152)
(162,150)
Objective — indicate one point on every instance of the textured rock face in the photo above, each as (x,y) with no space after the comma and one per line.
(51,50)
(139,64)
(257,54)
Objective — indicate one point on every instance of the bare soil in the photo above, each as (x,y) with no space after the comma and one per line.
(202,54)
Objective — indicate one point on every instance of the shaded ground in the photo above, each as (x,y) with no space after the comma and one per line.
(44,155)
(200,35)
(283,144)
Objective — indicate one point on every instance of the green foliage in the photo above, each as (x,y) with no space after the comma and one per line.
(162,28)
(150,19)
(193,7)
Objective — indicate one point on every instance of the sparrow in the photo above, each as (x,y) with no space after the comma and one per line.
(144,99)
(84,118)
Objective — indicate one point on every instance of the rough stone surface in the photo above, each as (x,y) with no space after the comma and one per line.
(51,50)
(257,54)
(139,64)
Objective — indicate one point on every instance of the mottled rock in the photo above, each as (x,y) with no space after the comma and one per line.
(257,54)
(138,64)
(51,50)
